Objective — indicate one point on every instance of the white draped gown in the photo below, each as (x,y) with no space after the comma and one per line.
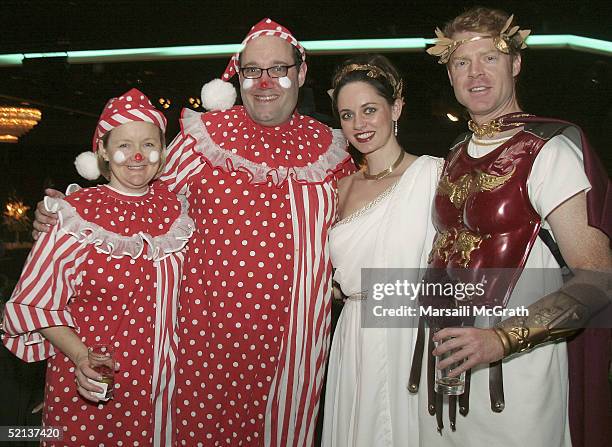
(367,402)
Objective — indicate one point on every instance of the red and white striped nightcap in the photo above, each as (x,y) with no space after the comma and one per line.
(218,95)
(131,106)
(266,27)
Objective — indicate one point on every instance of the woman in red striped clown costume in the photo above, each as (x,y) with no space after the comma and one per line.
(108,274)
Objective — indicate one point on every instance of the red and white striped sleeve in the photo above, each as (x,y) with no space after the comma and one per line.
(182,162)
(41,295)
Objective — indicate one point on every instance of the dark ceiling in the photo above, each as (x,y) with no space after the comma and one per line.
(564,83)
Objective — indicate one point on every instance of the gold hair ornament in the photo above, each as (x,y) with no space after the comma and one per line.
(373,72)
(508,39)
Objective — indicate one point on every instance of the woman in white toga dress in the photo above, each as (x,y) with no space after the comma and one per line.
(383,221)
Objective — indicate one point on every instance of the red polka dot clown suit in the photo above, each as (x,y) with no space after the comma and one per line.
(254,317)
(110,270)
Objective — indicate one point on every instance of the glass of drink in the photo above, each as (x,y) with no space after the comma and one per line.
(450,386)
(101,361)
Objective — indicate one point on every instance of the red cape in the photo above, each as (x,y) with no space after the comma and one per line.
(590,410)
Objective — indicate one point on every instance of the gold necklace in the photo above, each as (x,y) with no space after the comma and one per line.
(487,129)
(386,172)
(495,126)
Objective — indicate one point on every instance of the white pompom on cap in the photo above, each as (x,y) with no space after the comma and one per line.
(218,95)
(87,165)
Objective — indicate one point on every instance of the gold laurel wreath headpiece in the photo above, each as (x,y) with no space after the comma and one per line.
(372,72)
(508,38)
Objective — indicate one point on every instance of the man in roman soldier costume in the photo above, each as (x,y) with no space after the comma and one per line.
(512,187)
(255,310)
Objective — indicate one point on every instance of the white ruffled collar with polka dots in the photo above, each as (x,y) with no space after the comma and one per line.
(302,148)
(152,225)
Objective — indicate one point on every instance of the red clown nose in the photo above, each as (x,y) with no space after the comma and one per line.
(138,156)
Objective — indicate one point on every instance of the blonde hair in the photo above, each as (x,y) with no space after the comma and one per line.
(104,165)
(480,20)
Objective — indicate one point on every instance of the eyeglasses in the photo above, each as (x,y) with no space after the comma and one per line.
(278,71)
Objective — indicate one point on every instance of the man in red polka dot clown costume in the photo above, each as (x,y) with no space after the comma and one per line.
(254,311)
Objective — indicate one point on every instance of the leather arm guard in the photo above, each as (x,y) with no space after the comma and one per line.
(557,315)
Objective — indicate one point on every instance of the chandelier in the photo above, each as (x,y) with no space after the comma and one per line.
(17,121)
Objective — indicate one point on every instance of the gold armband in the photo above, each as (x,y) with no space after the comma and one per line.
(554,316)
(519,338)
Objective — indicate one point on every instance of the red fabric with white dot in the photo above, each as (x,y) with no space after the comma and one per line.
(126,215)
(110,300)
(299,142)
(115,305)
(234,306)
